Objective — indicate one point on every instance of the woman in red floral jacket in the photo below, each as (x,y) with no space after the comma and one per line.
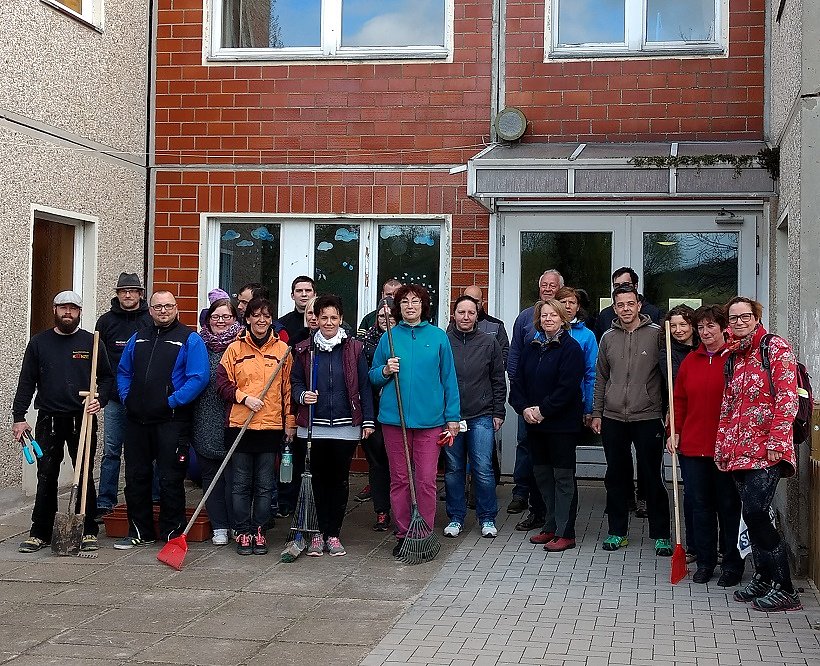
(754,443)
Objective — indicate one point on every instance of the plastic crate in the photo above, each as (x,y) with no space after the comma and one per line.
(116,523)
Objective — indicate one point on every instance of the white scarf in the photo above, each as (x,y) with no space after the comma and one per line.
(325,344)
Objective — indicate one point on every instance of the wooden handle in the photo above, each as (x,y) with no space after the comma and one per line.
(670,388)
(89,419)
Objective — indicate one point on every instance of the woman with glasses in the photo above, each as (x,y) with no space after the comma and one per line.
(243,372)
(754,444)
(208,433)
(423,365)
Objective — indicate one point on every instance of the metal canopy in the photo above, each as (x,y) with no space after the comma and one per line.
(549,171)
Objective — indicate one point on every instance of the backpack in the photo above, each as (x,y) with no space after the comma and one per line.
(801,428)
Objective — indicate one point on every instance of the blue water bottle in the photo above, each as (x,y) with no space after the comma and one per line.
(286,466)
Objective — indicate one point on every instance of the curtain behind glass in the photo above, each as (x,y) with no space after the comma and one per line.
(246,24)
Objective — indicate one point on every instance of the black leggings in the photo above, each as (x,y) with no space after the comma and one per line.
(330,464)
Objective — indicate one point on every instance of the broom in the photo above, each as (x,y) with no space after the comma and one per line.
(173,553)
(679,568)
(420,543)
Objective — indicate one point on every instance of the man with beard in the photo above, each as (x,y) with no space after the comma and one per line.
(57,365)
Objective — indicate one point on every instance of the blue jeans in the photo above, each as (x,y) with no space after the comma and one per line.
(525,486)
(252,488)
(477,443)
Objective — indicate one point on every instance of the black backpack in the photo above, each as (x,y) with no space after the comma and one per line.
(801,428)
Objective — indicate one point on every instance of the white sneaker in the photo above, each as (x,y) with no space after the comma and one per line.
(220,538)
(488,529)
(453,529)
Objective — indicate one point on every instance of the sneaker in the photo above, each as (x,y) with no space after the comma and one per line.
(382,523)
(244,544)
(453,529)
(220,537)
(757,587)
(32,545)
(127,543)
(542,537)
(102,512)
(317,546)
(640,509)
(89,543)
(335,547)
(613,542)
(559,544)
(663,547)
(363,495)
(530,522)
(488,529)
(260,543)
(777,599)
(517,505)
(397,547)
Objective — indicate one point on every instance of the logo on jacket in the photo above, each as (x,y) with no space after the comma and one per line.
(81,355)
(643,353)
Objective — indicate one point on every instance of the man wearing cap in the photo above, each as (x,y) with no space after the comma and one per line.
(162,370)
(57,365)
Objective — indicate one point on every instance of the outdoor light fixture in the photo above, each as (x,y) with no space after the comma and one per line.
(510,124)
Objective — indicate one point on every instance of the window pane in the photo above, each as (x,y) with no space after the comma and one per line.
(696,268)
(74,5)
(591,22)
(411,253)
(271,23)
(676,21)
(249,252)
(393,23)
(336,265)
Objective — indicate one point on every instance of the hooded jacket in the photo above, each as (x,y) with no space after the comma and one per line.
(589,345)
(482,386)
(628,382)
(117,326)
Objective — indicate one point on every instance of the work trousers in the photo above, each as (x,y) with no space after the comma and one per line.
(378,470)
(330,465)
(553,462)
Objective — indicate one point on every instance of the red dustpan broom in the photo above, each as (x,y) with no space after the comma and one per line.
(173,553)
(679,569)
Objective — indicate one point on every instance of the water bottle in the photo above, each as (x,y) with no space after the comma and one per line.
(286,466)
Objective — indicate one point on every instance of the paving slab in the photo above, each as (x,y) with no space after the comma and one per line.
(199,651)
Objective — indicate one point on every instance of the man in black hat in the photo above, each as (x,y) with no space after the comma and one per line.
(128,313)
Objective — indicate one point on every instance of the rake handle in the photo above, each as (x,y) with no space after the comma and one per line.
(670,389)
(236,441)
(89,421)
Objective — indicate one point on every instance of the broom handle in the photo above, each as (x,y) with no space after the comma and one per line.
(312,385)
(234,445)
(670,388)
(89,421)
(401,411)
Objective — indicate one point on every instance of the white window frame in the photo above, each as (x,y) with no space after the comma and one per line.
(92,13)
(331,41)
(635,43)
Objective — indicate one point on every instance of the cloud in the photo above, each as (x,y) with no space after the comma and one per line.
(245,243)
(262,233)
(324,246)
(386,231)
(412,23)
(230,235)
(424,239)
(346,235)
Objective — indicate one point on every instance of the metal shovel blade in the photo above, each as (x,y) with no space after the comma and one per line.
(68,533)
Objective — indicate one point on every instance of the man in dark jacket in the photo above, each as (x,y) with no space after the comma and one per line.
(302,289)
(57,365)
(488,324)
(483,391)
(128,313)
(624,276)
(162,370)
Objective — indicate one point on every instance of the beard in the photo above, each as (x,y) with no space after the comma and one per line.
(66,326)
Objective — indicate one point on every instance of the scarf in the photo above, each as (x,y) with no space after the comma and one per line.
(545,341)
(219,342)
(734,345)
(327,345)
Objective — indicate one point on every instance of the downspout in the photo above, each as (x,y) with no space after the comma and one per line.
(497,64)
(148,234)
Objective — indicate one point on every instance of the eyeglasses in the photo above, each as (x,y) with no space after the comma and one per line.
(159,307)
(415,302)
(615,285)
(745,317)
(221,317)
(128,291)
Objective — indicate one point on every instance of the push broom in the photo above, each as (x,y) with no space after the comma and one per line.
(420,543)
(173,553)
(679,568)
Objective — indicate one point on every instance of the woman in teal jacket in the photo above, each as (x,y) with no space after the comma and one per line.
(430,400)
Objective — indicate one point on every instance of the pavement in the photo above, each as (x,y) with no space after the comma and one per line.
(481,601)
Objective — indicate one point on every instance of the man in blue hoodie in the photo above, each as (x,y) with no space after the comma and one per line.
(162,370)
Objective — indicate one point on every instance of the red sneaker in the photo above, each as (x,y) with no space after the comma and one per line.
(558,544)
(542,537)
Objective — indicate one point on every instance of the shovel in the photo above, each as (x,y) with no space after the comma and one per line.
(67,534)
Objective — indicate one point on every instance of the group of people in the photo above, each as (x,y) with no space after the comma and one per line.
(166,387)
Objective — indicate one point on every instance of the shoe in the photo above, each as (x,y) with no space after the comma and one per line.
(530,522)
(729,579)
(542,537)
(397,547)
(382,523)
(102,512)
(691,557)
(32,545)
(244,544)
(488,529)
(517,505)
(260,543)
(335,547)
(317,546)
(777,600)
(220,537)
(703,575)
(127,543)
(283,512)
(640,509)
(757,587)
(613,542)
(663,548)
(453,529)
(89,543)
(363,495)
(559,544)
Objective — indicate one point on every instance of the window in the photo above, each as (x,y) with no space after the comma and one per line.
(607,27)
(87,11)
(295,29)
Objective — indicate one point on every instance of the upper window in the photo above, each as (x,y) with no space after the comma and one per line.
(609,27)
(295,29)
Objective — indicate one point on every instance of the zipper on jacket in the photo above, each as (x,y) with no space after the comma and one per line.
(151,357)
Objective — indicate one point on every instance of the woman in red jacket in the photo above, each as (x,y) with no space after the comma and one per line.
(698,394)
(754,443)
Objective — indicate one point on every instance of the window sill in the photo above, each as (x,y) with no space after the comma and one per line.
(351,55)
(672,52)
(77,17)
